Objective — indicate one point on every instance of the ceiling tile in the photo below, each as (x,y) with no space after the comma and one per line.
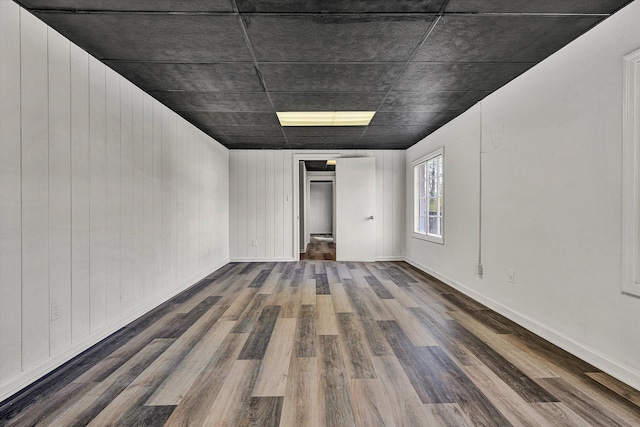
(327,38)
(501,38)
(315,101)
(240,132)
(412,118)
(153,37)
(339,6)
(458,77)
(335,131)
(387,142)
(241,77)
(329,77)
(254,143)
(214,101)
(537,6)
(132,5)
(398,131)
(431,101)
(211,119)
(321,142)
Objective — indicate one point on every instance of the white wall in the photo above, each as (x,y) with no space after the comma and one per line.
(261,202)
(551,200)
(320,207)
(110,203)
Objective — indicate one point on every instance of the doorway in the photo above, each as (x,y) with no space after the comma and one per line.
(300,192)
(317,208)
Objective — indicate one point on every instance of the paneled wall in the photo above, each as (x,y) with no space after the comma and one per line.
(261,202)
(109,202)
(551,199)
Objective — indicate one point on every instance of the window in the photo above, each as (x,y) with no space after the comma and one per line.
(428,207)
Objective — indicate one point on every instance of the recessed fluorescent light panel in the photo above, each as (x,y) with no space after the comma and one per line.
(325,118)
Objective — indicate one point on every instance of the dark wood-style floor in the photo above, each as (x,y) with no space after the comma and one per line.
(321,343)
(320,248)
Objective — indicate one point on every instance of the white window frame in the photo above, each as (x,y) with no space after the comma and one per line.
(631,176)
(416,199)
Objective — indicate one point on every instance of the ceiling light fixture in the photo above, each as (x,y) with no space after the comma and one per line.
(325,118)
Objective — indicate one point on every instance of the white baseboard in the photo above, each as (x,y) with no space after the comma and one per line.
(616,369)
(389,258)
(19,381)
(248,259)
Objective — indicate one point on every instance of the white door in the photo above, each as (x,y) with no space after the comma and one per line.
(355,208)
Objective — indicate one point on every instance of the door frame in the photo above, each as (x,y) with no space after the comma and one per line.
(296,193)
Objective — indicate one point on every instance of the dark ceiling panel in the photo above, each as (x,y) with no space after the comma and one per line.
(323,142)
(501,38)
(393,131)
(330,131)
(213,119)
(314,101)
(214,101)
(389,142)
(326,38)
(238,77)
(339,6)
(320,55)
(431,101)
(423,76)
(537,6)
(319,166)
(254,143)
(154,37)
(132,5)
(330,77)
(247,131)
(412,118)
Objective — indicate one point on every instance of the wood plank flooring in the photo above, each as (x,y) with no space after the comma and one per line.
(322,343)
(320,249)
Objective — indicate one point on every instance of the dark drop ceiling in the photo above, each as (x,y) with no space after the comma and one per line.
(228,65)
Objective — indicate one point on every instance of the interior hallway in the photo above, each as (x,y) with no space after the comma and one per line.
(321,247)
(326,344)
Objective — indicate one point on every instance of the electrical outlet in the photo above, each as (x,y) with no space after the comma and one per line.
(512,276)
(55,311)
(255,243)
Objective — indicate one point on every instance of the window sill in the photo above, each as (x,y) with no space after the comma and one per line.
(432,239)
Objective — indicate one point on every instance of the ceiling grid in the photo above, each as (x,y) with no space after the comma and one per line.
(228,66)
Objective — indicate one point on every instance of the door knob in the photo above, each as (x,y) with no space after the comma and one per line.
(371,217)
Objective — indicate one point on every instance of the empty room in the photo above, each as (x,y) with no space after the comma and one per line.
(319,213)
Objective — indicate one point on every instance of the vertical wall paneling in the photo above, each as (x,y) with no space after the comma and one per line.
(261,214)
(137,185)
(244,238)
(165,182)
(172,195)
(279,206)
(112,241)
(11,189)
(80,199)
(148,198)
(387,214)
(59,190)
(269,209)
(398,202)
(157,197)
(380,201)
(110,203)
(126,196)
(261,204)
(35,190)
(98,162)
